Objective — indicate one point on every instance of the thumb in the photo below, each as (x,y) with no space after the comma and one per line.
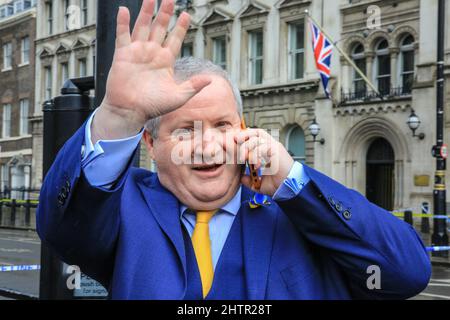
(194,85)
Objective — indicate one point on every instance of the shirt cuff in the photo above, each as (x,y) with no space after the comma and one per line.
(293,184)
(104,162)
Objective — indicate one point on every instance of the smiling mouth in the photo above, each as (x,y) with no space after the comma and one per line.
(207,168)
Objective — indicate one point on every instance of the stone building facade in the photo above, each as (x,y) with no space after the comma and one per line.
(266,47)
(17,34)
(65,48)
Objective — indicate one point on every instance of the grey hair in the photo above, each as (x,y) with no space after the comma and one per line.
(184,69)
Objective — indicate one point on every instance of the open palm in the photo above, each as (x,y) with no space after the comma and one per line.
(141,81)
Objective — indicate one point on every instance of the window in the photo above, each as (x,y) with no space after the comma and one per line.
(295,142)
(383,67)
(406,64)
(7,56)
(3,12)
(296,50)
(18,6)
(5,177)
(6,121)
(82,69)
(256,57)
(64,72)
(220,52)
(25,56)
(49,14)
(359,85)
(187,50)
(84,12)
(66,14)
(24,114)
(48,83)
(27,4)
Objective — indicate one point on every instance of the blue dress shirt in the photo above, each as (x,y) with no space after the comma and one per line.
(104,162)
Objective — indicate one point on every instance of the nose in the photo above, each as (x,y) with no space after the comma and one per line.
(208,145)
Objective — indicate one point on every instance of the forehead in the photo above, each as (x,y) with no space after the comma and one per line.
(215,100)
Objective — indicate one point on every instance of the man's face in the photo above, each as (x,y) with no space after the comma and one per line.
(191,163)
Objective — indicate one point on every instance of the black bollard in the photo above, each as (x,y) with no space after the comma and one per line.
(408,217)
(63,116)
(12,221)
(425,225)
(27,213)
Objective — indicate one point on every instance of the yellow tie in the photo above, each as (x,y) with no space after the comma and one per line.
(202,248)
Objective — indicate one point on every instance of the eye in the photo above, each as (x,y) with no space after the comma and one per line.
(223,125)
(183,133)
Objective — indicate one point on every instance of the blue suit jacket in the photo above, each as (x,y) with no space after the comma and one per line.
(317,245)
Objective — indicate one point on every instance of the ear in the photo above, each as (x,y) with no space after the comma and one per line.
(149,143)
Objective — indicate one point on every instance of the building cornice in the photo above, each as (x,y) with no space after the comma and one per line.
(65,34)
(17,18)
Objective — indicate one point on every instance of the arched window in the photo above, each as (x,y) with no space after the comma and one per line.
(406,64)
(359,85)
(382,67)
(295,142)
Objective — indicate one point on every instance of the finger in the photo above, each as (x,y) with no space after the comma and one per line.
(191,87)
(123,37)
(141,29)
(264,153)
(247,147)
(246,134)
(176,36)
(158,29)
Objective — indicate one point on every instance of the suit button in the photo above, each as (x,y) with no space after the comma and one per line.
(338,206)
(332,202)
(61,199)
(347,214)
(64,192)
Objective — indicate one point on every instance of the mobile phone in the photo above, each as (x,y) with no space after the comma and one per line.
(256,179)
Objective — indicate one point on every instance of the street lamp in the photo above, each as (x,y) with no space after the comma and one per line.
(314,129)
(414,124)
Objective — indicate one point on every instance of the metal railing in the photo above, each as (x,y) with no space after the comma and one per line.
(368,95)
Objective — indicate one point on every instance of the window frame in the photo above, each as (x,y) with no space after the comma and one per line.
(254,59)
(48,82)
(6,120)
(404,49)
(7,56)
(25,54)
(382,53)
(288,141)
(24,128)
(292,53)
(49,16)
(215,41)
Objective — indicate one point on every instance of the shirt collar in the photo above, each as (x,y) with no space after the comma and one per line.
(231,207)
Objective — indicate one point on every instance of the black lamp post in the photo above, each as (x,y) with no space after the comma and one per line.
(439,151)
(314,129)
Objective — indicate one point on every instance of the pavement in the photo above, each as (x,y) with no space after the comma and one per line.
(22,247)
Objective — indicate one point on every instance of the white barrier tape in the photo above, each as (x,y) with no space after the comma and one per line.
(30,267)
(438,248)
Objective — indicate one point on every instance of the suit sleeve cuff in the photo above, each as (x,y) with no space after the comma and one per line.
(293,184)
(104,162)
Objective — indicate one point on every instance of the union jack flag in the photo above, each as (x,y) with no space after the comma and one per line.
(322,55)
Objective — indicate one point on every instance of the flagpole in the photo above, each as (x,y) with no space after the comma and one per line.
(346,57)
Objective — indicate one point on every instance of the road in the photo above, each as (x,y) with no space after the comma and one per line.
(20,248)
(23,248)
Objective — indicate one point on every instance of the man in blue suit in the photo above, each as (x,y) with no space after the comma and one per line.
(197,229)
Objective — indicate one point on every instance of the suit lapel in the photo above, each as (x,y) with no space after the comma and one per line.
(258,227)
(166,210)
